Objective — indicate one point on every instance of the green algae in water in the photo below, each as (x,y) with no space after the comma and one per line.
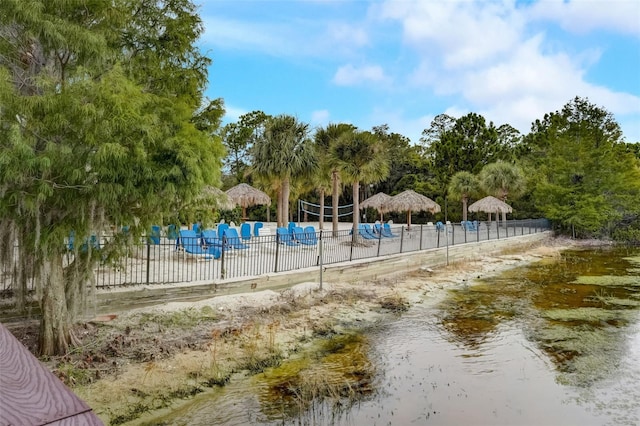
(583,354)
(335,372)
(608,280)
(589,314)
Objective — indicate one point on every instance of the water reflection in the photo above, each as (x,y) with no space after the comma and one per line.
(536,345)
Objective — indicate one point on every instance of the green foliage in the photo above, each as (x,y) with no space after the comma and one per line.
(284,152)
(466,144)
(360,157)
(588,182)
(502,179)
(464,185)
(100,126)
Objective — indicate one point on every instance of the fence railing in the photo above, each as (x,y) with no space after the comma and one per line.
(166,261)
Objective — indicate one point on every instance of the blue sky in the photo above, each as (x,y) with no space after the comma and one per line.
(402,62)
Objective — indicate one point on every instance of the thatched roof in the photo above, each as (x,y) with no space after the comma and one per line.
(376,201)
(246,195)
(490,205)
(411,201)
(217,198)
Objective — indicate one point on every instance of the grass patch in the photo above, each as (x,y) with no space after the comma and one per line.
(608,280)
(184,318)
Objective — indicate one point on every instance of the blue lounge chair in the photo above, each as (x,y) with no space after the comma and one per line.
(192,244)
(301,237)
(283,236)
(310,235)
(245,231)
(232,238)
(362,231)
(172,232)
(221,228)
(210,239)
(440,226)
(371,231)
(256,229)
(387,232)
(154,235)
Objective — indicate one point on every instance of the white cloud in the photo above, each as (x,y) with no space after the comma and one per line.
(232,113)
(320,117)
(463,33)
(342,33)
(580,17)
(484,56)
(348,75)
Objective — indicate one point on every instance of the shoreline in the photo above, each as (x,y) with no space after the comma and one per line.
(147,360)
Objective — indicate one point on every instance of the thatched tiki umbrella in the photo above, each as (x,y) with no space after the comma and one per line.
(217,198)
(411,201)
(246,195)
(376,202)
(490,205)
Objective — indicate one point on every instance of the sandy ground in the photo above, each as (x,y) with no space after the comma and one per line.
(148,359)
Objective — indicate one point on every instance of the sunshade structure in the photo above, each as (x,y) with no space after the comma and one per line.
(246,195)
(410,201)
(217,198)
(376,202)
(30,394)
(490,205)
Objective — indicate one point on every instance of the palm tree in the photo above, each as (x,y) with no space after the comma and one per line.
(359,156)
(324,139)
(283,153)
(502,179)
(463,185)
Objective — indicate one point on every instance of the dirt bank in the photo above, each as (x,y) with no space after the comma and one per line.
(149,358)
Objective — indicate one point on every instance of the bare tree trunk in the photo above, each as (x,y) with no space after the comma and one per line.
(279,208)
(54,324)
(321,216)
(335,199)
(356,207)
(285,201)
(465,200)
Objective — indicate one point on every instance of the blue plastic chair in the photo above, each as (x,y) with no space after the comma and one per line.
(191,243)
(172,232)
(440,226)
(256,228)
(283,236)
(245,231)
(387,232)
(233,239)
(221,228)
(362,231)
(370,231)
(210,239)
(154,236)
(310,235)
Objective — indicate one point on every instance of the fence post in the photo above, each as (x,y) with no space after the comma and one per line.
(438,238)
(497,229)
(401,237)
(320,260)
(353,241)
(379,240)
(421,225)
(148,260)
(224,245)
(275,265)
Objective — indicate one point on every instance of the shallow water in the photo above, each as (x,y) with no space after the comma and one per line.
(541,345)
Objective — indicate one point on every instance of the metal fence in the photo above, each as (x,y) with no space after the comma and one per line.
(166,261)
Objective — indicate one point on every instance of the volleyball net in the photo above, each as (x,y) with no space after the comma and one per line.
(314,210)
